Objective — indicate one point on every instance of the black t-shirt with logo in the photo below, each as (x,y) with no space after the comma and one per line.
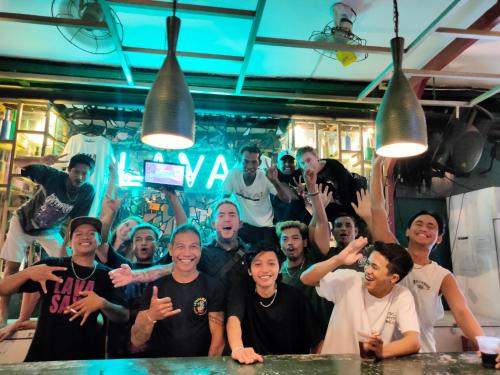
(186,334)
(54,201)
(288,325)
(56,338)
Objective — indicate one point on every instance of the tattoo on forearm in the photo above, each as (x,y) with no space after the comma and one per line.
(217,318)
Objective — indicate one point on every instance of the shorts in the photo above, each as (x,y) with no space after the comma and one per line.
(17,241)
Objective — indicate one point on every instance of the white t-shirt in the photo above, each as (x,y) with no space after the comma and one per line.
(254,200)
(99,149)
(424,282)
(357,311)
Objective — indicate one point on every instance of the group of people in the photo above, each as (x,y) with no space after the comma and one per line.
(268,281)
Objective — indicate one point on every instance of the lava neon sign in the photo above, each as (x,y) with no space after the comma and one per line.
(218,171)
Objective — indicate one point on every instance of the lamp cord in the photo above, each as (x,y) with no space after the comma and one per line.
(396,18)
(175,6)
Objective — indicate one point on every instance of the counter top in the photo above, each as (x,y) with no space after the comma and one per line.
(420,364)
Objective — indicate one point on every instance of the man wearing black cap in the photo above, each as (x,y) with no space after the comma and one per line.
(289,175)
(60,196)
(67,327)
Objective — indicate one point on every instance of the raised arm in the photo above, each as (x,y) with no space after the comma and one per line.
(283,192)
(124,275)
(458,306)
(319,230)
(175,204)
(40,273)
(380,225)
(349,255)
(159,309)
(24,161)
(363,207)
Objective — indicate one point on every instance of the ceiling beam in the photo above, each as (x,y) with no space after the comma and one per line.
(186,54)
(469,33)
(186,8)
(265,94)
(484,96)
(412,47)
(451,74)
(320,45)
(51,21)
(487,21)
(250,43)
(108,18)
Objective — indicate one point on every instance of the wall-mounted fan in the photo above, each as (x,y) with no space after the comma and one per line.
(96,41)
(339,31)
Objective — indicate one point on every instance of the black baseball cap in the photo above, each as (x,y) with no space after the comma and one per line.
(77,221)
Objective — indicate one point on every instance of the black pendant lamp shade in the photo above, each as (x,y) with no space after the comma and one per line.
(401,130)
(169,120)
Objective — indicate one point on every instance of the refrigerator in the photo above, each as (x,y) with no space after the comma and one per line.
(474,229)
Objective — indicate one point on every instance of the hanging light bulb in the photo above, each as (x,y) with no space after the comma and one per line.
(169,121)
(401,130)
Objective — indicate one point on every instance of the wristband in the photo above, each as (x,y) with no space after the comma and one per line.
(151,320)
(312,194)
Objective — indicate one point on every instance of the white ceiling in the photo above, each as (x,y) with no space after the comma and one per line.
(290,19)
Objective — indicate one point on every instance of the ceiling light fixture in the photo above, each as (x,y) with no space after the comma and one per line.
(401,130)
(169,119)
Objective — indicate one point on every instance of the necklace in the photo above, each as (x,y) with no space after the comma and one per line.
(295,274)
(272,301)
(83,278)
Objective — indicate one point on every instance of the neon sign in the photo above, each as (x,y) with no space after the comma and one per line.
(219,170)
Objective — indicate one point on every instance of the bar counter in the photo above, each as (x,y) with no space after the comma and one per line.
(420,364)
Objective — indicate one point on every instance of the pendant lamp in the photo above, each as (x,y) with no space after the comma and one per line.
(169,120)
(401,130)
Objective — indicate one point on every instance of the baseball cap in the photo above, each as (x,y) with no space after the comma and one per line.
(77,221)
(284,153)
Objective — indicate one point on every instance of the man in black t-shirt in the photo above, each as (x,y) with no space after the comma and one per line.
(267,316)
(289,175)
(182,313)
(75,291)
(222,258)
(305,245)
(60,196)
(341,183)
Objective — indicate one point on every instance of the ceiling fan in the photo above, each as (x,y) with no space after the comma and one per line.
(95,41)
(339,31)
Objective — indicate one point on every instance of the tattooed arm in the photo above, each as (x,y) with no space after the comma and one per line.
(216,324)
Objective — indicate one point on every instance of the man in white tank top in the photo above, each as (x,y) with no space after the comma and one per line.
(427,280)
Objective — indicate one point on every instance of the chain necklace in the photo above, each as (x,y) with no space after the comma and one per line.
(272,301)
(295,274)
(83,278)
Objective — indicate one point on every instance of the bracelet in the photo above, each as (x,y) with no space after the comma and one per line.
(151,320)
(312,194)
